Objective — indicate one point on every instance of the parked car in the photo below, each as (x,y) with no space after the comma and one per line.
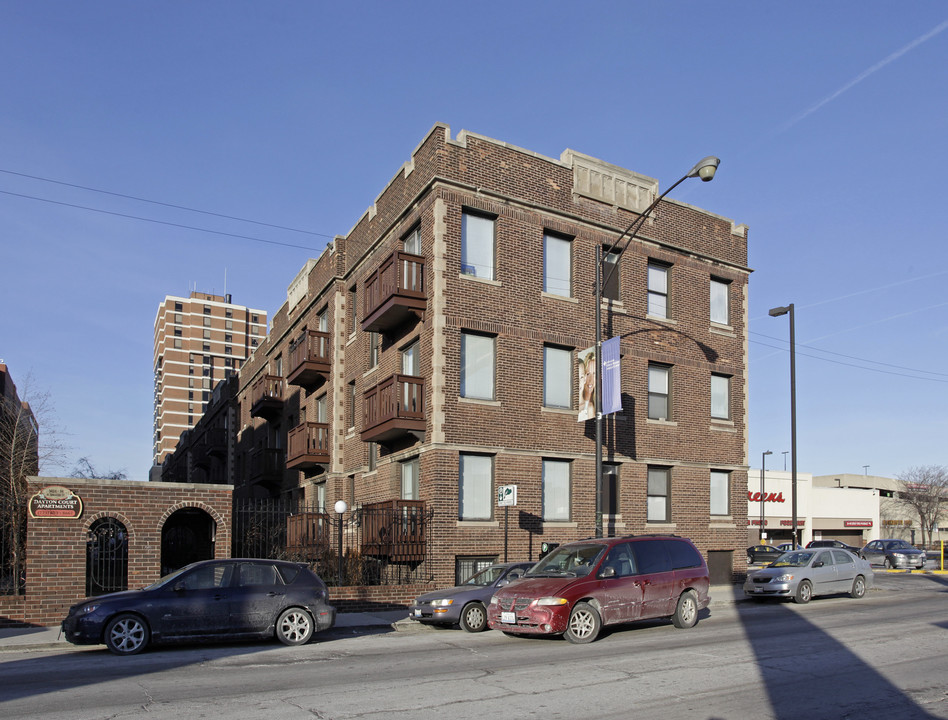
(762,553)
(208,600)
(582,586)
(466,605)
(788,546)
(804,574)
(832,544)
(894,554)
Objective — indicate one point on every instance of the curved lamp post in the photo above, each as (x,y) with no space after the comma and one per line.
(703,169)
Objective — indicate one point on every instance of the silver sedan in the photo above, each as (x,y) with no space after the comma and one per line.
(803,574)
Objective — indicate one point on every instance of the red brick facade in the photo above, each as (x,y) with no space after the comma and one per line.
(589,203)
(56,547)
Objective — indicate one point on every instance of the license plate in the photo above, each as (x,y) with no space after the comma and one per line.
(508,618)
(417,612)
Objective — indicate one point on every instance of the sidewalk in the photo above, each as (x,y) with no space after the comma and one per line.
(396,620)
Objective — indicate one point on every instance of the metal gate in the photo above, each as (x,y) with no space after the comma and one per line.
(106,557)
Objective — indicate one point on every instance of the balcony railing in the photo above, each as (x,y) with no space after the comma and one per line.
(266,466)
(394,292)
(307,446)
(394,408)
(308,533)
(266,395)
(216,441)
(310,359)
(394,529)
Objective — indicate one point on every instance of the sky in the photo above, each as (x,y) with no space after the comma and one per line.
(150,148)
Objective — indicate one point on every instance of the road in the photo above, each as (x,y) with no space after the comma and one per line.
(879,657)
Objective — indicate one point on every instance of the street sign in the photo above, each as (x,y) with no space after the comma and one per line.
(507,496)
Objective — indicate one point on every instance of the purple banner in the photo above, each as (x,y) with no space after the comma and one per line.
(611,382)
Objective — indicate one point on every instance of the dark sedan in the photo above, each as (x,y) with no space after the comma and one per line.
(763,553)
(894,554)
(209,600)
(466,604)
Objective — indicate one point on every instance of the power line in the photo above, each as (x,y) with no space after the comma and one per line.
(163,204)
(162,222)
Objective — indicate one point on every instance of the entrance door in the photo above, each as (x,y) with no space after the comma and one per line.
(187,536)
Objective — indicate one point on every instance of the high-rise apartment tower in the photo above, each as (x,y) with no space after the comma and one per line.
(199,340)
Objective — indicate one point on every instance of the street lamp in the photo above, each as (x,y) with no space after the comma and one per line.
(763,465)
(340,507)
(703,169)
(777,312)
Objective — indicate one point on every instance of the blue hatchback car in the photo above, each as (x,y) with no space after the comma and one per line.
(466,604)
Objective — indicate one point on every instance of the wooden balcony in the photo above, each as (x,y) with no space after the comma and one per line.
(310,359)
(215,440)
(393,409)
(266,395)
(395,292)
(394,529)
(266,467)
(308,533)
(307,446)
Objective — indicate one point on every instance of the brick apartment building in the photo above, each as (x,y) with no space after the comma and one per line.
(430,356)
(199,340)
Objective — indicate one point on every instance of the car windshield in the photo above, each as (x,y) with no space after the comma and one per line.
(793,559)
(487,576)
(170,577)
(897,545)
(568,561)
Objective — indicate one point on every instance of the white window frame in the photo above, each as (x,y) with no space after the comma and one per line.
(409,472)
(556,481)
(658,500)
(658,284)
(720,396)
(478,366)
(557,377)
(477,245)
(475,486)
(557,265)
(659,387)
(720,302)
(720,491)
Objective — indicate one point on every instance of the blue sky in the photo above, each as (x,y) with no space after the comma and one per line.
(830,119)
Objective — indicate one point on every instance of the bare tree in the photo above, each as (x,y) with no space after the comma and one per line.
(29,442)
(85,469)
(924,491)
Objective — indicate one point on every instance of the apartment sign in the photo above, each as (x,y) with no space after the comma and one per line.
(56,501)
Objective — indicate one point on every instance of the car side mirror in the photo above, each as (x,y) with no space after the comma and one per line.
(608,572)
(179,586)
(818,563)
(502,582)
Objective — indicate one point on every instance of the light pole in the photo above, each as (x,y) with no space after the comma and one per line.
(763,466)
(705,170)
(777,312)
(340,507)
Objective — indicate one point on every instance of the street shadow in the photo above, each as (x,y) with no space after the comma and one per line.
(833,682)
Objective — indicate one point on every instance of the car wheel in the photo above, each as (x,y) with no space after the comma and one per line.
(584,624)
(804,592)
(859,587)
(474,617)
(294,627)
(126,634)
(887,564)
(686,614)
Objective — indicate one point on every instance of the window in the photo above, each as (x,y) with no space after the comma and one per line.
(228,338)
(720,305)
(353,299)
(557,377)
(465,567)
(475,487)
(177,318)
(409,474)
(228,313)
(177,332)
(658,392)
(322,321)
(720,492)
(207,334)
(207,322)
(177,343)
(207,309)
(477,246)
(410,361)
(373,349)
(206,347)
(477,366)
(610,488)
(278,366)
(556,474)
(720,397)
(413,242)
(657,290)
(556,265)
(228,324)
(321,497)
(352,404)
(322,413)
(610,277)
(658,501)
(255,318)
(177,307)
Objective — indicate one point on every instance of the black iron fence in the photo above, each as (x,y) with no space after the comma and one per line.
(12,549)
(385,543)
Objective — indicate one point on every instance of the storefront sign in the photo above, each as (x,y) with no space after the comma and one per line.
(789,523)
(55,501)
(857,523)
(769,497)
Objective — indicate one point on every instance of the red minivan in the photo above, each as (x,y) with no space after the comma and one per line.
(580,587)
